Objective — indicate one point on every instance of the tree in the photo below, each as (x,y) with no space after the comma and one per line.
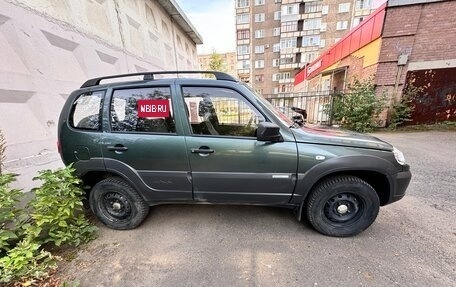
(357,108)
(216,63)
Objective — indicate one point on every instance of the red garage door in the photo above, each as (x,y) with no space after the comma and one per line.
(437,100)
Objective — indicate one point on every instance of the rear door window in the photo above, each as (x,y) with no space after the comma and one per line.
(86,111)
(126,114)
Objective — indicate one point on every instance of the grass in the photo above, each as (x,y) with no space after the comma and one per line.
(443,126)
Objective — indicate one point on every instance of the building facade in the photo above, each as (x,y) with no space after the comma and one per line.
(277,38)
(228,62)
(50,47)
(401,44)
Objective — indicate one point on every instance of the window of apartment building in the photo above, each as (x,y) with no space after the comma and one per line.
(344,7)
(243,18)
(324,10)
(309,57)
(310,24)
(357,20)
(363,4)
(243,34)
(275,90)
(277,1)
(276,47)
(259,49)
(259,17)
(277,15)
(244,64)
(259,2)
(322,43)
(289,26)
(276,32)
(259,64)
(288,43)
(312,7)
(242,3)
(259,34)
(290,9)
(259,78)
(275,62)
(243,50)
(287,60)
(323,27)
(280,76)
(311,41)
(341,25)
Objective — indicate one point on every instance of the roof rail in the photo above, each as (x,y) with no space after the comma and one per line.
(150,76)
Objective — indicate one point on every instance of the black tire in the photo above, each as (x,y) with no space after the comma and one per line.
(342,206)
(115,203)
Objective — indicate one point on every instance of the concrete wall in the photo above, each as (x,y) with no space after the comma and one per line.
(50,47)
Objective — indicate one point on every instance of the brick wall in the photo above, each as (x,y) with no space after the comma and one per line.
(424,32)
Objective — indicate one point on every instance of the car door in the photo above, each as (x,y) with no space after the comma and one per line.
(152,147)
(228,163)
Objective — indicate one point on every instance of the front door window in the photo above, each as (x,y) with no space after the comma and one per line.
(220,112)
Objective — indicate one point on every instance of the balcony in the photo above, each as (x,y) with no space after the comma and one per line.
(288,66)
(243,72)
(286,81)
(310,15)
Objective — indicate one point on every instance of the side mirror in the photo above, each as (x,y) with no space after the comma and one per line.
(298,119)
(300,111)
(268,132)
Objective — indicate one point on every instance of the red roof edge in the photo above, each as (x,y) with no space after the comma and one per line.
(366,32)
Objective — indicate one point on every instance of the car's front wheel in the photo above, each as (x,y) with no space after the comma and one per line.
(117,204)
(342,206)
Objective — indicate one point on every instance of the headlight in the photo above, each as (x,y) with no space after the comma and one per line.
(399,156)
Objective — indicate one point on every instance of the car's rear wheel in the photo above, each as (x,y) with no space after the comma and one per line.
(117,204)
(342,206)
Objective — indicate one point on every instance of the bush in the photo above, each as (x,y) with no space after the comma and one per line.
(57,209)
(56,217)
(25,262)
(402,111)
(357,109)
(10,216)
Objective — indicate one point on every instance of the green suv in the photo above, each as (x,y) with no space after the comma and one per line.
(157,140)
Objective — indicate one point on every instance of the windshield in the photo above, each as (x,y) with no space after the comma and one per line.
(280,116)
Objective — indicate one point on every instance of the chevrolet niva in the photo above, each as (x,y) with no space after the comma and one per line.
(158,140)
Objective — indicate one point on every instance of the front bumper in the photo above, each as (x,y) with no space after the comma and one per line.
(401,182)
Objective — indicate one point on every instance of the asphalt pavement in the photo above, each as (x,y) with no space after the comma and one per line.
(412,242)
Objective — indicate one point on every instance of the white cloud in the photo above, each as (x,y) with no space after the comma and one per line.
(216,25)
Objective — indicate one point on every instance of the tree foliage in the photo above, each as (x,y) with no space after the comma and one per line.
(357,108)
(402,110)
(216,63)
(55,216)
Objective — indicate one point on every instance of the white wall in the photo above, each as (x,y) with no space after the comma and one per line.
(48,48)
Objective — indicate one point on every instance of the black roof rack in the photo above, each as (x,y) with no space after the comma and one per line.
(150,76)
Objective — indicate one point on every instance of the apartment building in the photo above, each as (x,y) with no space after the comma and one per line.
(276,38)
(228,62)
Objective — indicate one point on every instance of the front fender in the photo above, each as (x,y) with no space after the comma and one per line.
(307,180)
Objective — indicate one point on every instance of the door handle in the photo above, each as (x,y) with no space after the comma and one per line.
(117,147)
(202,150)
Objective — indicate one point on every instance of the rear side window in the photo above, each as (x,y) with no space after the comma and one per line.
(86,111)
(125,116)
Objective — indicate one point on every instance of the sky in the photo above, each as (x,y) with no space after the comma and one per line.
(215,22)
